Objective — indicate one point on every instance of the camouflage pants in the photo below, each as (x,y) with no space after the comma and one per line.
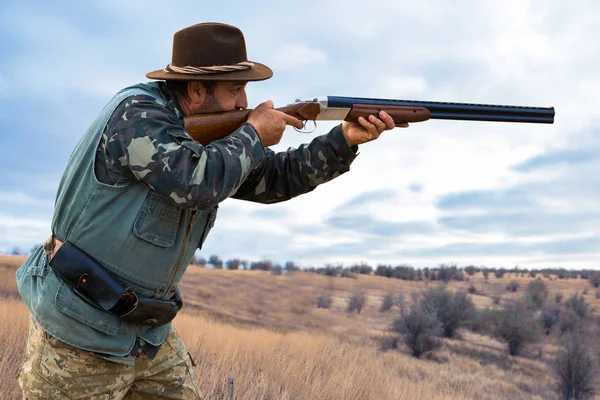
(55,370)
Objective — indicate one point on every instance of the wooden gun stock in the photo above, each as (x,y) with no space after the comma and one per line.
(206,128)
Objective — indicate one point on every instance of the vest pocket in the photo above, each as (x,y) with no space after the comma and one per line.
(79,309)
(157,220)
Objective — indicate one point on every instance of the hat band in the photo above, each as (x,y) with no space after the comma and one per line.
(215,69)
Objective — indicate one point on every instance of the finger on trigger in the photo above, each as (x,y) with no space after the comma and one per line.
(293,121)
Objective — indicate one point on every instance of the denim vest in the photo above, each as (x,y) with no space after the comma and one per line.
(138,234)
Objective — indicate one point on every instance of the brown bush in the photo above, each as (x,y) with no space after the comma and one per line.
(356,302)
(512,286)
(536,294)
(515,326)
(324,301)
(454,309)
(549,316)
(387,302)
(576,369)
(420,329)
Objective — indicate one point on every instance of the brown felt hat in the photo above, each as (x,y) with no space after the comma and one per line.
(211,51)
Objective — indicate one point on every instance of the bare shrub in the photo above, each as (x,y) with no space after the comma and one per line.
(346,273)
(576,369)
(454,309)
(595,279)
(496,300)
(387,302)
(512,286)
(483,321)
(536,294)
(558,297)
(324,301)
(420,329)
(277,270)
(515,326)
(532,273)
(570,322)
(578,305)
(399,300)
(549,316)
(499,273)
(356,302)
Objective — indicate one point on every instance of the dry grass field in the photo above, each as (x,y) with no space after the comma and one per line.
(265,332)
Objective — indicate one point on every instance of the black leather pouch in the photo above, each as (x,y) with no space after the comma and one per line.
(87,277)
(152,312)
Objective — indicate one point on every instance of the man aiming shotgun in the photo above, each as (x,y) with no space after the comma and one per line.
(139,197)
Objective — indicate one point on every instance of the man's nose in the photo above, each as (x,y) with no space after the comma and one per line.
(242,100)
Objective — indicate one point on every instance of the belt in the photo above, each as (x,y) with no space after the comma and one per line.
(103,289)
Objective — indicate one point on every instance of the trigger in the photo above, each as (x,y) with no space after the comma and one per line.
(305,124)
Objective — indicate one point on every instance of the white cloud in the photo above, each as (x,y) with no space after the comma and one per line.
(396,87)
(8,199)
(295,55)
(21,232)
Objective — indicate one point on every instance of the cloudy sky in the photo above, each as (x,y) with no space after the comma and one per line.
(496,194)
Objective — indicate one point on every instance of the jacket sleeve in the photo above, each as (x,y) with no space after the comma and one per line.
(146,141)
(282,176)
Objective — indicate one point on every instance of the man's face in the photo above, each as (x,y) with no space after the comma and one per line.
(226,96)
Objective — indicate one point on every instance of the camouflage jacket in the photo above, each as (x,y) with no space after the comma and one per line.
(146,141)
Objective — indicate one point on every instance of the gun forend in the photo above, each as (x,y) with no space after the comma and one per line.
(351,112)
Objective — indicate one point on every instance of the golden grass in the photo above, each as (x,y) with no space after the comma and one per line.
(265,332)
(8,266)
(13,336)
(304,365)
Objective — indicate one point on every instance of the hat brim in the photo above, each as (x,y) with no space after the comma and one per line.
(258,72)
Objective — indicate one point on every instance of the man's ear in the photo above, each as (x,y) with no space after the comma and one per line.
(196,92)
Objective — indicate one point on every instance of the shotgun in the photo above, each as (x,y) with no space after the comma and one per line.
(206,128)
